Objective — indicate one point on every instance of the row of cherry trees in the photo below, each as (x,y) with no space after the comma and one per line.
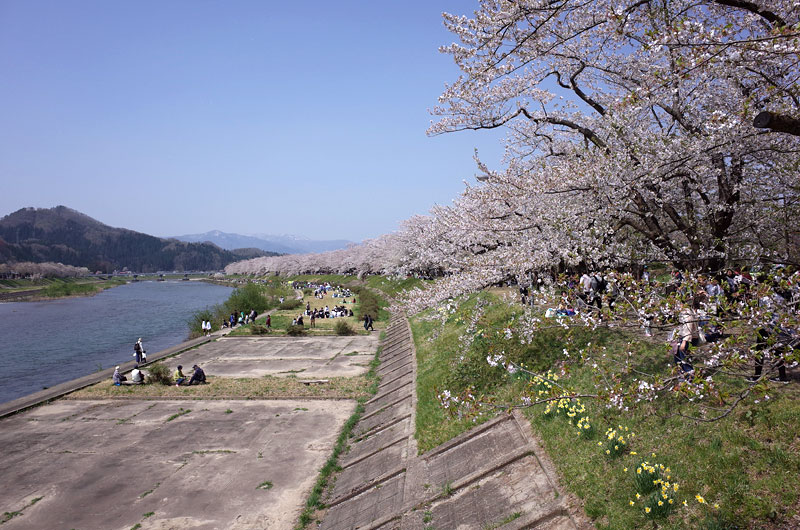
(630,139)
(638,131)
(27,269)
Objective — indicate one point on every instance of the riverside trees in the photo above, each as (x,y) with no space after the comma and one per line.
(630,128)
(631,138)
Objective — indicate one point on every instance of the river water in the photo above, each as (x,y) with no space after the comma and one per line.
(50,342)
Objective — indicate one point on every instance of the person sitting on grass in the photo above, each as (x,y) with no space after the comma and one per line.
(137,376)
(198,377)
(179,377)
(117,378)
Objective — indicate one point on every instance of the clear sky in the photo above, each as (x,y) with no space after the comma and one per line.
(177,117)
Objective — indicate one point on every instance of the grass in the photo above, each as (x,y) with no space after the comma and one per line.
(60,287)
(512,517)
(266,485)
(232,388)
(282,319)
(148,492)
(7,516)
(748,463)
(181,412)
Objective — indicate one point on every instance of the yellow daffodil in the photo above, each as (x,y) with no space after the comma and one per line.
(700,499)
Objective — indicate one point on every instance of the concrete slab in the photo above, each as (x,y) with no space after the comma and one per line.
(371,505)
(106,464)
(316,357)
(498,499)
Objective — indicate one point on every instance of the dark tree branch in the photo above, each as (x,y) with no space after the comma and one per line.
(756,9)
(777,123)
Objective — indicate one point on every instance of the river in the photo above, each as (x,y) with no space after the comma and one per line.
(49,342)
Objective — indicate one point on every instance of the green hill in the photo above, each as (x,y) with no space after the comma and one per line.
(67,236)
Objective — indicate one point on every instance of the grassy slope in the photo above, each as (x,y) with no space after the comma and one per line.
(748,463)
(384,287)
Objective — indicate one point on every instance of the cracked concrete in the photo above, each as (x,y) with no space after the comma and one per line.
(105,464)
(306,357)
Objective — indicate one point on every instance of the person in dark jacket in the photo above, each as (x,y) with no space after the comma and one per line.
(198,377)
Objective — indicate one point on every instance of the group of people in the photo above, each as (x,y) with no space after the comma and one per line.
(240,318)
(138,377)
(704,297)
(198,376)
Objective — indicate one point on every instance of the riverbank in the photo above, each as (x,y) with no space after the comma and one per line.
(27,290)
(49,394)
(47,343)
(58,289)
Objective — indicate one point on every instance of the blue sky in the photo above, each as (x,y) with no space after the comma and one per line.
(174,117)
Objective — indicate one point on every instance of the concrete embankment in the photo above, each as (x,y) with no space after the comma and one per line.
(184,461)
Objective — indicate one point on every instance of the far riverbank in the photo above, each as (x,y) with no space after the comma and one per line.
(60,288)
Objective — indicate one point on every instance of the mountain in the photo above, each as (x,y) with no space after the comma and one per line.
(283,244)
(67,236)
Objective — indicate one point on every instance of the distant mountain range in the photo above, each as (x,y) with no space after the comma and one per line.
(284,244)
(70,237)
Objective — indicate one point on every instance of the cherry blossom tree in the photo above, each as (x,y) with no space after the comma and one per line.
(630,122)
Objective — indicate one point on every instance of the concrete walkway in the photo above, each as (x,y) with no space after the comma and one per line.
(158,464)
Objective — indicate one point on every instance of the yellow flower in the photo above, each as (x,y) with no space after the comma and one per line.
(661,503)
(638,496)
(670,501)
(675,487)
(631,503)
(608,452)
(684,503)
(633,452)
(700,499)
(646,509)
(625,469)
(639,470)
(716,506)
